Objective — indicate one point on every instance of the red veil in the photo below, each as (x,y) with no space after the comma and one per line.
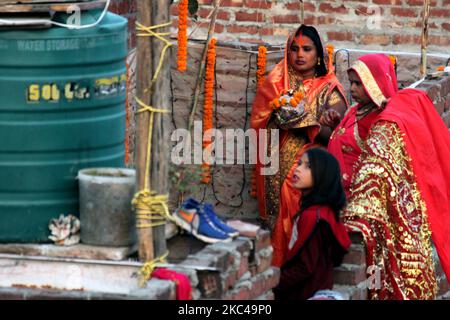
(428,144)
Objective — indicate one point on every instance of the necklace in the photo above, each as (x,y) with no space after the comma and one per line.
(296,81)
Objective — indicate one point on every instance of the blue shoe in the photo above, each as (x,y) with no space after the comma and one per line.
(209,210)
(192,219)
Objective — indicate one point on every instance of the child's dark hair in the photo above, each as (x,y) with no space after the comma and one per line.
(312,33)
(327,185)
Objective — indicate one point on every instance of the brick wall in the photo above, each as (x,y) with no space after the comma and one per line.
(346,24)
(239,270)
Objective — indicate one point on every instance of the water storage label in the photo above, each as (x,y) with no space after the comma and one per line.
(82,90)
(67,44)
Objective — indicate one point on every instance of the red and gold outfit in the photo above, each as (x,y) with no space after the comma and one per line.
(278,200)
(400,191)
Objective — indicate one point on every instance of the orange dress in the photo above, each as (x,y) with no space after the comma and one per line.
(278,201)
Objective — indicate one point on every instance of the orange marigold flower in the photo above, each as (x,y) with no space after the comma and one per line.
(182,35)
(293,102)
(440,68)
(283,101)
(276,102)
(208,103)
(298,96)
(261,66)
(393,60)
(330,50)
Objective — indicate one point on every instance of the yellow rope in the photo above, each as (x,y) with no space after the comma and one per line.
(148,32)
(150,206)
(147,269)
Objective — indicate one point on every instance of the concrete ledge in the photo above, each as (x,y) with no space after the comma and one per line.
(79,251)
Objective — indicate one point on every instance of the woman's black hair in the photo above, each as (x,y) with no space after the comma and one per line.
(327,185)
(312,33)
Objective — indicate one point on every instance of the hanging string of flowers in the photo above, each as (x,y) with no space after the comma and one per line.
(260,78)
(393,60)
(208,105)
(127,118)
(261,64)
(182,35)
(330,51)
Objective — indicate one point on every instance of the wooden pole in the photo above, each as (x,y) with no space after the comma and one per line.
(424,38)
(201,68)
(150,12)
(161,97)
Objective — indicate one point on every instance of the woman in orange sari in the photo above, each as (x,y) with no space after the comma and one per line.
(308,70)
(399,189)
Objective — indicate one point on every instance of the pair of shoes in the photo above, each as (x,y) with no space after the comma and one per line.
(198,220)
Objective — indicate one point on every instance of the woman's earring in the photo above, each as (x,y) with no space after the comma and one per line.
(318,62)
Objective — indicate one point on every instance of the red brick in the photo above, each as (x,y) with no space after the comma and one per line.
(439,40)
(264,264)
(328,8)
(368,39)
(311,20)
(207,2)
(325,20)
(255,16)
(340,36)
(309,7)
(349,274)
(391,2)
(242,29)
(366,11)
(241,293)
(262,240)
(243,267)
(266,31)
(446,26)
(446,3)
(258,4)
(288,18)
(431,25)
(272,280)
(258,286)
(221,15)
(445,13)
(420,2)
(218,28)
(405,39)
(232,3)
(404,12)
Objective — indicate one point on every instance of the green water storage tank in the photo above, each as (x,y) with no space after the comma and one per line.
(62,108)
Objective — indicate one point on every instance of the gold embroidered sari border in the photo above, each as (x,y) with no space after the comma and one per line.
(369,82)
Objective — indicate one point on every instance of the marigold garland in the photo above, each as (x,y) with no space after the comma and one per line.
(182,35)
(393,60)
(260,78)
(261,64)
(440,68)
(208,104)
(127,117)
(330,50)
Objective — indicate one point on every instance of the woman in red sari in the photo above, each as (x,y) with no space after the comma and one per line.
(305,68)
(396,158)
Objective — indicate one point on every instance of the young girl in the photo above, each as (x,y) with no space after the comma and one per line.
(318,241)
